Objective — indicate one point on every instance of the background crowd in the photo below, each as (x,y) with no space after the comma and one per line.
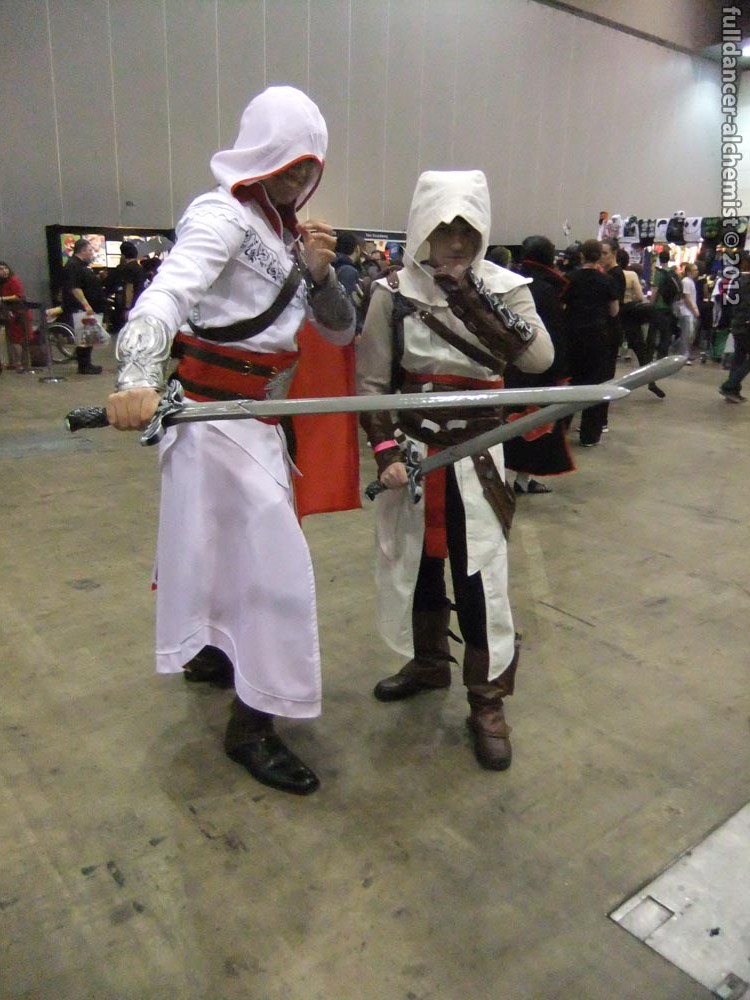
(594,300)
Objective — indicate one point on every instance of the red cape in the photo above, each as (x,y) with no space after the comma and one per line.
(327,444)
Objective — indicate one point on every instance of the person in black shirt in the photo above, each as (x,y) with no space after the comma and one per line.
(590,301)
(544,452)
(82,292)
(127,281)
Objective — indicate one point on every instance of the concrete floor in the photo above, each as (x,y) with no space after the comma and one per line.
(138,863)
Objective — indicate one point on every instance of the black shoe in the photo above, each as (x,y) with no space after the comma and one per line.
(272,763)
(210,666)
(657,391)
(90,370)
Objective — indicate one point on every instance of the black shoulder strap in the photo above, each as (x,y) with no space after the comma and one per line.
(247,328)
(401,308)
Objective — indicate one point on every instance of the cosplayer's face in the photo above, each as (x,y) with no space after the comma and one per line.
(285,187)
(454,244)
(4,272)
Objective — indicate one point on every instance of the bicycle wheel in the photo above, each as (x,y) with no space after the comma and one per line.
(62,343)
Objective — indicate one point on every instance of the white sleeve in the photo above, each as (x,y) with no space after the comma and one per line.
(206,240)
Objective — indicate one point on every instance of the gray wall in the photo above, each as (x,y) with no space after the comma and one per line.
(104,103)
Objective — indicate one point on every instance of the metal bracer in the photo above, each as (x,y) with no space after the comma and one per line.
(142,351)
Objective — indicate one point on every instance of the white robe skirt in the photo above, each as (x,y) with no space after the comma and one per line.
(250,590)
(399,532)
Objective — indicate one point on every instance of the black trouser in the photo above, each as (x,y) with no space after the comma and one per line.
(614,340)
(660,333)
(430,593)
(590,357)
(633,317)
(740,363)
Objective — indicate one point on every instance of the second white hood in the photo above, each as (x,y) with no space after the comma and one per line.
(441,195)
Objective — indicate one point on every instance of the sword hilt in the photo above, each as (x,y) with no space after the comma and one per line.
(374,489)
(96,416)
(413,470)
(84,417)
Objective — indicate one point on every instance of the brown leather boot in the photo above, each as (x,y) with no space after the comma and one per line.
(250,740)
(431,667)
(490,731)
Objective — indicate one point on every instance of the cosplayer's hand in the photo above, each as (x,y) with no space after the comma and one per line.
(394,476)
(132,409)
(319,242)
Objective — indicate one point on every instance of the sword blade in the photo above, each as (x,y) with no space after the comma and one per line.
(243,409)
(633,380)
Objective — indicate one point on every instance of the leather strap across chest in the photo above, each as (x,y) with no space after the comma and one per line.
(246,328)
(481,357)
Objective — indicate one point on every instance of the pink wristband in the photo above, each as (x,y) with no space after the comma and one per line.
(383,445)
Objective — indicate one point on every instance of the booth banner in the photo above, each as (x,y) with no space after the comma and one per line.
(631,231)
(676,229)
(693,229)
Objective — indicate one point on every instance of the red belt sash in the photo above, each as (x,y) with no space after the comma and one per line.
(216,372)
(435,539)
(455,381)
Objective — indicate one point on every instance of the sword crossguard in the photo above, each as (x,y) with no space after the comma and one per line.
(413,465)
(171,402)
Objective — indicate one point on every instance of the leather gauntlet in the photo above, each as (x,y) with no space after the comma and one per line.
(504,333)
(379,428)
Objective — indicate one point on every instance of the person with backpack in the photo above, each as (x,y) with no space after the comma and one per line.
(666,289)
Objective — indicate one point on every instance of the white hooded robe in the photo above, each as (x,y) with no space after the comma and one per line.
(439,197)
(233,567)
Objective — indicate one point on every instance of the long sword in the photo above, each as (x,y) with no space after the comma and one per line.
(417,470)
(174,410)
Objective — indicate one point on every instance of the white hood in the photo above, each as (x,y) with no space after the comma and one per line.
(441,195)
(278,128)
